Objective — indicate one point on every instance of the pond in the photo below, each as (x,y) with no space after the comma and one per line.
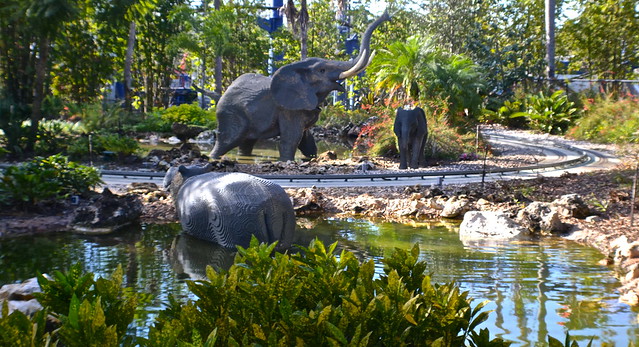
(264,150)
(536,288)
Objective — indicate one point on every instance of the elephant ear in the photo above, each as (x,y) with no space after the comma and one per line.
(292,89)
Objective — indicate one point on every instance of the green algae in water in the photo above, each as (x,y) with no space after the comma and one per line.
(536,288)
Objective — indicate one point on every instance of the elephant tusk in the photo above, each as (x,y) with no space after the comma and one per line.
(370,59)
(359,65)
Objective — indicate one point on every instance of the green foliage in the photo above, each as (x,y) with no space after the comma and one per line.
(587,39)
(377,137)
(608,120)
(123,146)
(92,312)
(152,122)
(40,179)
(338,115)
(550,114)
(16,329)
(568,342)
(190,114)
(418,70)
(316,298)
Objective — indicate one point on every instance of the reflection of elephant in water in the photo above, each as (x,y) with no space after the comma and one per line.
(411,130)
(189,256)
(257,107)
(228,208)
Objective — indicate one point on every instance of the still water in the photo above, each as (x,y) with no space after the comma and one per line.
(536,288)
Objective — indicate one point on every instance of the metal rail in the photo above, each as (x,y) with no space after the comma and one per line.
(584,158)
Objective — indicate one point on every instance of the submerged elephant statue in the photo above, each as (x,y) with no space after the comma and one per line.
(230,208)
(411,130)
(256,107)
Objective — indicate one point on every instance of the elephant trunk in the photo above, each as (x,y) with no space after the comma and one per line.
(364,57)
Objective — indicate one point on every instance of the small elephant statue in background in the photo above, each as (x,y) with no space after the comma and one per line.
(411,130)
(230,208)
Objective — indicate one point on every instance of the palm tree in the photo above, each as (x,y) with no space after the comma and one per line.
(399,68)
(456,78)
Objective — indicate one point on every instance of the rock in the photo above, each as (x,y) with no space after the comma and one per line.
(541,217)
(624,250)
(365,166)
(106,213)
(571,205)
(185,132)
(455,207)
(593,219)
(20,296)
(489,225)
(326,156)
(630,298)
(416,196)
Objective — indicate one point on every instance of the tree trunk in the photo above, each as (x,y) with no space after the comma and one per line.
(128,62)
(218,60)
(38,91)
(550,39)
(303,22)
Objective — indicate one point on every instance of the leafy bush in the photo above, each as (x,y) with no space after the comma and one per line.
(54,136)
(444,140)
(551,114)
(190,114)
(123,146)
(152,122)
(608,120)
(91,312)
(16,329)
(316,298)
(377,137)
(40,179)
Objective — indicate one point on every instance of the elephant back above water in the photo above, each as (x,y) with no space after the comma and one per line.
(229,208)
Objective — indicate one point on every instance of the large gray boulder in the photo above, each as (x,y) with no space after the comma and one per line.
(107,212)
(455,207)
(480,226)
(571,205)
(19,296)
(541,217)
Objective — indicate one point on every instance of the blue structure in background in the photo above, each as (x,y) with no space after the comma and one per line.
(272,24)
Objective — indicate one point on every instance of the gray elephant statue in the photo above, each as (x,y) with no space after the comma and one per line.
(411,130)
(230,208)
(256,107)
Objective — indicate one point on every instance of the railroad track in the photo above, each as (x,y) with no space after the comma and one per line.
(559,159)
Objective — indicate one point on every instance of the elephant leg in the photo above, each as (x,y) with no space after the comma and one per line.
(290,139)
(307,145)
(422,155)
(403,154)
(246,148)
(231,130)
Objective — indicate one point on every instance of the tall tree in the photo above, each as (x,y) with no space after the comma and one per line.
(298,21)
(589,41)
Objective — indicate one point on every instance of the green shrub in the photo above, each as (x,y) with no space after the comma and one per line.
(316,298)
(338,115)
(16,329)
(552,114)
(41,179)
(190,114)
(152,122)
(123,146)
(608,120)
(91,312)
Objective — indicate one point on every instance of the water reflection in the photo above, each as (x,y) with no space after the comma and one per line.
(536,288)
(264,150)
